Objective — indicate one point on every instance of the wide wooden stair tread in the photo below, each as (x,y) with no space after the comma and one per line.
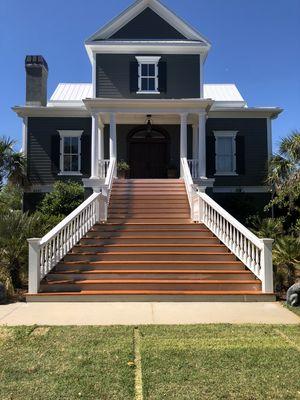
(149,249)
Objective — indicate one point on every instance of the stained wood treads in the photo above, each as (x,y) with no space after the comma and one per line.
(149,249)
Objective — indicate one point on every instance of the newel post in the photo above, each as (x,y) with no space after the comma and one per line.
(267,266)
(34,266)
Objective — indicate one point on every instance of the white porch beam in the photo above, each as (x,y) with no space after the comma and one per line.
(95,146)
(202,144)
(183,138)
(113,136)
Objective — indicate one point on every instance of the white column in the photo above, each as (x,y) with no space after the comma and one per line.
(113,136)
(183,139)
(101,141)
(95,146)
(202,144)
(195,141)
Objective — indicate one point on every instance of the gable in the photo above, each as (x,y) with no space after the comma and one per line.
(147,25)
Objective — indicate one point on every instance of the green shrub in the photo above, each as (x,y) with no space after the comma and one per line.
(64,198)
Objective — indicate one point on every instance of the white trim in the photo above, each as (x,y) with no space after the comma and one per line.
(135,9)
(201,65)
(144,60)
(94,76)
(145,47)
(269,138)
(226,134)
(25,136)
(64,134)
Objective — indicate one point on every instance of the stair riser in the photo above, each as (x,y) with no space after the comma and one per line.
(164,220)
(149,215)
(150,208)
(151,249)
(208,276)
(150,228)
(151,286)
(155,240)
(143,235)
(149,257)
(152,265)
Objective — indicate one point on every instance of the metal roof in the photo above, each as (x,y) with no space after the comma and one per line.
(223,94)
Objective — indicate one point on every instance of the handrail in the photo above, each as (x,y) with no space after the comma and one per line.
(188,183)
(45,253)
(254,252)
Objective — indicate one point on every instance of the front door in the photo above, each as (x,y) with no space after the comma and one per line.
(148,155)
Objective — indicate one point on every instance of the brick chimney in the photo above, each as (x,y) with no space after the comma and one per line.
(36,80)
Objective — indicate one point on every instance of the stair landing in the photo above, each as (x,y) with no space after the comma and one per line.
(150,250)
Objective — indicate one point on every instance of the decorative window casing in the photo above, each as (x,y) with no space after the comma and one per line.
(225,152)
(70,152)
(148,75)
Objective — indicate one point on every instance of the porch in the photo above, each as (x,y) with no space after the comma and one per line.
(152,136)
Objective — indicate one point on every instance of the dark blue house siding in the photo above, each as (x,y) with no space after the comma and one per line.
(252,150)
(44,147)
(113,76)
(148,25)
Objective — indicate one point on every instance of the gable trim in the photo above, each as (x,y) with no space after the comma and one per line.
(135,9)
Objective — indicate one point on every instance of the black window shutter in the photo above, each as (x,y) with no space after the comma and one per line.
(162,77)
(55,153)
(134,76)
(240,155)
(86,154)
(210,155)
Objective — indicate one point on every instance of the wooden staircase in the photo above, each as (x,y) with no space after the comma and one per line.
(149,249)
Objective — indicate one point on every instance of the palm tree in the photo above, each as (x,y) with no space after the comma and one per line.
(15,228)
(286,254)
(284,173)
(12,163)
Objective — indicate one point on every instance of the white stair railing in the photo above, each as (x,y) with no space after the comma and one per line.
(254,252)
(45,253)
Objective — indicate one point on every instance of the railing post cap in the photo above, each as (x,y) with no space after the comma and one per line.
(33,240)
(267,240)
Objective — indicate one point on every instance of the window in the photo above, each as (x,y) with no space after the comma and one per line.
(148,75)
(70,152)
(225,152)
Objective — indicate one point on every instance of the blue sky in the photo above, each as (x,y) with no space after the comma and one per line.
(255,44)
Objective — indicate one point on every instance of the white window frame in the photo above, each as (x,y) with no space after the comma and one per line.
(226,134)
(66,134)
(147,60)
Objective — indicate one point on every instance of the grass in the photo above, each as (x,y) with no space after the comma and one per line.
(212,362)
(66,363)
(221,362)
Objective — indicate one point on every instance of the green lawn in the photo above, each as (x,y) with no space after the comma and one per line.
(178,362)
(66,363)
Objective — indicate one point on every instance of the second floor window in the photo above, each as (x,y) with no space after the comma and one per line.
(148,75)
(70,152)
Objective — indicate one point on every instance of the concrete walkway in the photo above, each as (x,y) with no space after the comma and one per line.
(144,313)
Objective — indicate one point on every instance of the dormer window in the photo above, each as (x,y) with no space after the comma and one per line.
(148,75)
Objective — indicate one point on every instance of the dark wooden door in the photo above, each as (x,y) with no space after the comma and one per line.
(148,160)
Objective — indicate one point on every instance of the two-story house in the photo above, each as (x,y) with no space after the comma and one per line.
(147,104)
